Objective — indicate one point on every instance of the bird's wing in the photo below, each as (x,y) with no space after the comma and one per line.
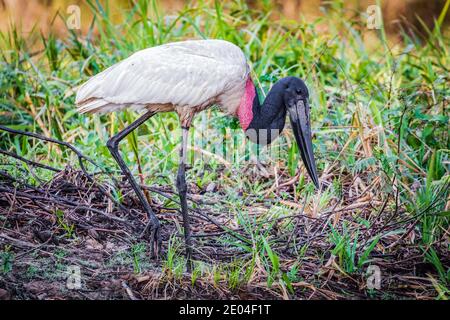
(188,73)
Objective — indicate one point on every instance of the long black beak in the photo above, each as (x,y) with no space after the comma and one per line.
(299,114)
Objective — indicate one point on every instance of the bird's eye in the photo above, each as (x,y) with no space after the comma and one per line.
(299,91)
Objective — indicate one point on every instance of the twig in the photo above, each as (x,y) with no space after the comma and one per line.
(65,202)
(80,156)
(29,162)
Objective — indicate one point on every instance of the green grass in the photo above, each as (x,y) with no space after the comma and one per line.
(380,114)
(7,258)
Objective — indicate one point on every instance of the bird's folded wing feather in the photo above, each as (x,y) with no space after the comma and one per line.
(183,74)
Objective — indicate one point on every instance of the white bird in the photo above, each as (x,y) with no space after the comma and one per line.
(188,77)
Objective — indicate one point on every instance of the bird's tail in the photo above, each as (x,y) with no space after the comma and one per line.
(95,105)
(90,95)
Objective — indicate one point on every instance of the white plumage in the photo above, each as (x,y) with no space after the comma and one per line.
(172,77)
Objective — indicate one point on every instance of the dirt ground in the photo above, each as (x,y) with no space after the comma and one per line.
(70,223)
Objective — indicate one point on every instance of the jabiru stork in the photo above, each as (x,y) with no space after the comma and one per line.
(188,77)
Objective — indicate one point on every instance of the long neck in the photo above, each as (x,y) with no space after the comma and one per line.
(269,118)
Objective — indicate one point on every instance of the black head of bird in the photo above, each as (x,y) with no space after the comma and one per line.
(288,96)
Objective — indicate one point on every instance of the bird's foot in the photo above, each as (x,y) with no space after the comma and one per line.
(154,226)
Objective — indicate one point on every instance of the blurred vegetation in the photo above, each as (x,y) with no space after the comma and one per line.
(381,114)
(398,15)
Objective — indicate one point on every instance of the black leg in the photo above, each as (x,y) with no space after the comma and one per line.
(113,146)
(182,189)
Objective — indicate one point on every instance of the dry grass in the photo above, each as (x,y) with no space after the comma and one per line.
(93,233)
